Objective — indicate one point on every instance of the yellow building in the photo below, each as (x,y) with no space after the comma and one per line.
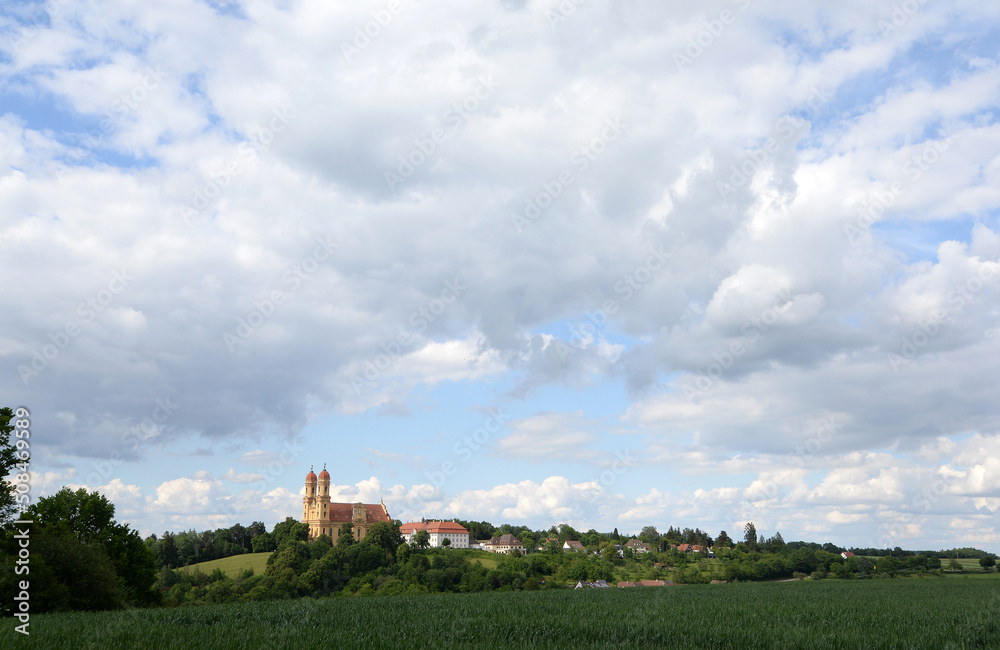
(326,518)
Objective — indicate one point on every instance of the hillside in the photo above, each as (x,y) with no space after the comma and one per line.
(231,566)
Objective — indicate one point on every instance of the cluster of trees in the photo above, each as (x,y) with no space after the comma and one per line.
(381,563)
(81,559)
(174,550)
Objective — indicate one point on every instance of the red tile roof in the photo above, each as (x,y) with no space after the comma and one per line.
(342,513)
(433,527)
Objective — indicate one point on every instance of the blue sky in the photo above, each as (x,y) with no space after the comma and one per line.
(246,238)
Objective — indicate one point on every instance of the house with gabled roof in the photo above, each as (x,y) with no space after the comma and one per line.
(504,545)
(637,546)
(574,545)
(438,531)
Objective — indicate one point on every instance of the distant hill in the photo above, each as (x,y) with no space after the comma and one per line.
(232,566)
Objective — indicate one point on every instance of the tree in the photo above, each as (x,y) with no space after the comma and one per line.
(240,536)
(386,536)
(89,517)
(723,540)
(166,551)
(954,565)
(290,530)
(67,574)
(262,543)
(750,536)
(320,547)
(346,537)
(421,539)
(9,458)
(649,535)
(446,543)
(987,563)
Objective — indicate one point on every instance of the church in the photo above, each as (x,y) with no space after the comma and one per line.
(325,518)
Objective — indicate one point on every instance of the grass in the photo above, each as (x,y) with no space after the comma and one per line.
(231,566)
(902,613)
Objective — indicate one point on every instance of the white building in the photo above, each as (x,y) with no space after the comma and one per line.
(438,531)
(504,545)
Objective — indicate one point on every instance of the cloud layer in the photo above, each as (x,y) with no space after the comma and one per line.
(699,233)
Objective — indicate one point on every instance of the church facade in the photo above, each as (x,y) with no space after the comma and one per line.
(325,517)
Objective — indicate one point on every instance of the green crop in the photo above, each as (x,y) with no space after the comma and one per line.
(902,613)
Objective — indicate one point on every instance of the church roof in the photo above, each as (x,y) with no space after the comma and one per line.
(344,513)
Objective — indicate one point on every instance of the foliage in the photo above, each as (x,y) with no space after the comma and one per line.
(89,518)
(8,460)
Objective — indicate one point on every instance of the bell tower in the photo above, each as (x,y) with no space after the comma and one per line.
(309,501)
(323,505)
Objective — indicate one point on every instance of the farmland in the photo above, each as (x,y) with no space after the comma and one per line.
(915,613)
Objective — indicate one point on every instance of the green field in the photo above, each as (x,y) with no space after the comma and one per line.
(231,566)
(967,564)
(899,613)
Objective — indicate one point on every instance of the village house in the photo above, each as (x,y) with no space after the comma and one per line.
(438,531)
(504,545)
(574,545)
(637,546)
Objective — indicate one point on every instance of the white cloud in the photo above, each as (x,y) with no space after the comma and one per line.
(190,151)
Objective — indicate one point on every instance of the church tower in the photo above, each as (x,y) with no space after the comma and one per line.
(309,503)
(323,503)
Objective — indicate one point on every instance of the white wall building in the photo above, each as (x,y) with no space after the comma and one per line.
(438,531)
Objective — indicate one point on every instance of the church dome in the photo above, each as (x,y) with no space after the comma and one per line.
(310,477)
(324,474)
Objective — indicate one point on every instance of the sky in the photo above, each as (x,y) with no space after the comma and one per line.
(610,263)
